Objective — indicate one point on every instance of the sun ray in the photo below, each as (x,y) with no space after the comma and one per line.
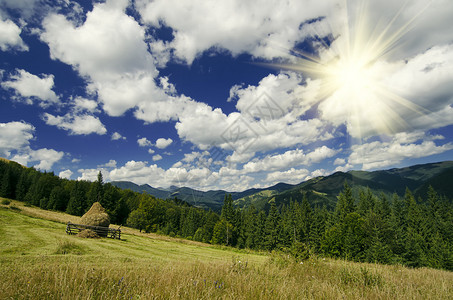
(350,70)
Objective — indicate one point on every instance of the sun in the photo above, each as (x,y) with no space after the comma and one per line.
(352,70)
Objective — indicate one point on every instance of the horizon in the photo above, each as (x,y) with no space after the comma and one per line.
(224,97)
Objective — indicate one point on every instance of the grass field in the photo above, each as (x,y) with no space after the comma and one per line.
(39,261)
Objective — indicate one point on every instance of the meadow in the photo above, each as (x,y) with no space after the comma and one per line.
(39,261)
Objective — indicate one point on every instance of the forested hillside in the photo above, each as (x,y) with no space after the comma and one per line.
(367,227)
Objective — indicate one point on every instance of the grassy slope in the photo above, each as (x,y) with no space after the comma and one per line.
(39,261)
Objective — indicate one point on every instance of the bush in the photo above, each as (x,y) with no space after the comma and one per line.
(6,202)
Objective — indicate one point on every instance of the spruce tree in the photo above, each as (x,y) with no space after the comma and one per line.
(271,229)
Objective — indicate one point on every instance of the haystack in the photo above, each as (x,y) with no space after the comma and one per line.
(96,216)
(88,233)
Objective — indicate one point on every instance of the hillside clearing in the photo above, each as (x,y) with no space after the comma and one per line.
(39,261)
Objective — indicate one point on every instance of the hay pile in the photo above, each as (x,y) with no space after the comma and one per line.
(88,233)
(96,216)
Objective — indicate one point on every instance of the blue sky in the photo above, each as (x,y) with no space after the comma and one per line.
(224,95)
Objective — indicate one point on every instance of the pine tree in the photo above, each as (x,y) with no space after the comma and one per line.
(271,229)
(251,227)
(22,185)
(76,202)
(96,192)
(345,204)
(7,188)
(306,219)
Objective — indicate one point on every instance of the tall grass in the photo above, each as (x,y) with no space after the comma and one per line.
(38,261)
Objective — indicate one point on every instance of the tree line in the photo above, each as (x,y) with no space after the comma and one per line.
(371,228)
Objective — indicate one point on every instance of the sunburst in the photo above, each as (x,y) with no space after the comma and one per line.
(352,72)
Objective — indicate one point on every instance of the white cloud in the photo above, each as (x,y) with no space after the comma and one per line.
(289,158)
(65,174)
(270,117)
(111,164)
(76,124)
(109,50)
(379,154)
(292,176)
(46,158)
(339,161)
(82,104)
(162,143)
(236,26)
(117,136)
(14,136)
(151,151)
(29,87)
(10,36)
(157,157)
(144,142)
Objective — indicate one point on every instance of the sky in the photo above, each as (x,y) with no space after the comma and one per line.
(224,94)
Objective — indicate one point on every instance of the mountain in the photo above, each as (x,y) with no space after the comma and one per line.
(324,190)
(208,200)
(320,190)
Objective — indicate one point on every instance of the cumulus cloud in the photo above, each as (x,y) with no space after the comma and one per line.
(15,140)
(236,26)
(46,158)
(379,154)
(117,136)
(82,104)
(270,116)
(10,36)
(15,135)
(157,157)
(109,49)
(31,87)
(289,158)
(111,164)
(144,142)
(66,174)
(162,143)
(83,124)
(292,176)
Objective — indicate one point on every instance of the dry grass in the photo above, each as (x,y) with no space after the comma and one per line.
(56,266)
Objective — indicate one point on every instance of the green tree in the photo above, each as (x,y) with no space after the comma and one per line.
(222,232)
(58,199)
(271,229)
(76,202)
(137,219)
(345,204)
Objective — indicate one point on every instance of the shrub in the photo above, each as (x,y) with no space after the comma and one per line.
(5,202)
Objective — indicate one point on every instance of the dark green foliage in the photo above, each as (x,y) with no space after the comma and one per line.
(362,227)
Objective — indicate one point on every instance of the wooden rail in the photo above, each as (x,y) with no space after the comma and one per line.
(72,228)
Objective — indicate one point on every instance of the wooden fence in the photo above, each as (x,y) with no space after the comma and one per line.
(72,228)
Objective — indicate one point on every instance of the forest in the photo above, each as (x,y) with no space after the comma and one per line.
(368,228)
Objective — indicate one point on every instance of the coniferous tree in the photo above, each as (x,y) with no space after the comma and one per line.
(271,229)
(23,185)
(306,220)
(96,192)
(7,184)
(345,204)
(76,202)
(251,227)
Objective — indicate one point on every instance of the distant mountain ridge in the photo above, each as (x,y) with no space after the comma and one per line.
(320,190)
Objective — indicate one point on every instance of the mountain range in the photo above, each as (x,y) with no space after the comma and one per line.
(320,191)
